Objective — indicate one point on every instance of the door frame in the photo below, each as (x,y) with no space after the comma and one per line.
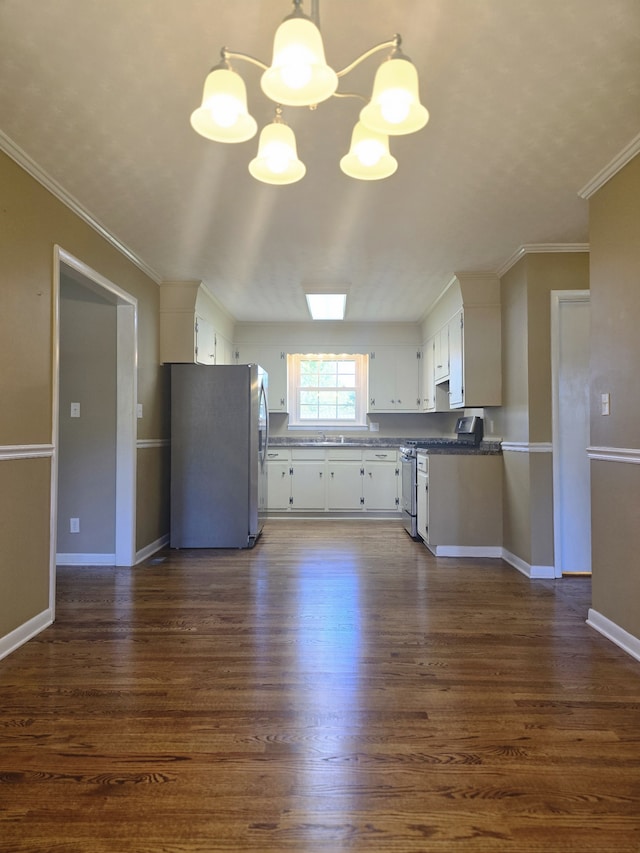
(126,410)
(558,297)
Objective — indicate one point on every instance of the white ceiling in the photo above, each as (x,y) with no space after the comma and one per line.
(528,101)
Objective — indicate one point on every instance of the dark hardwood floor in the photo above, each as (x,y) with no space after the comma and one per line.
(337,688)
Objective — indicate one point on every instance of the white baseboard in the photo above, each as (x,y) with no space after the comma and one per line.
(85,559)
(532,572)
(12,641)
(626,641)
(150,550)
(465,550)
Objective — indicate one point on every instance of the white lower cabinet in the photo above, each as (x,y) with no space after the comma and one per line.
(308,485)
(423,497)
(278,478)
(381,480)
(333,480)
(344,485)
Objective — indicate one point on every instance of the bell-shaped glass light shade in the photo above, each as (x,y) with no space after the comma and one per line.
(368,158)
(277,161)
(299,75)
(223,114)
(395,106)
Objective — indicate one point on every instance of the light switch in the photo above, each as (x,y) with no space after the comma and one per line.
(605,400)
(75,410)
(139,410)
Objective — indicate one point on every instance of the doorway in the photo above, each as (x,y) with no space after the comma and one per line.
(570,348)
(120,471)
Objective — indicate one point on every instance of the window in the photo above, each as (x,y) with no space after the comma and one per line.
(327,390)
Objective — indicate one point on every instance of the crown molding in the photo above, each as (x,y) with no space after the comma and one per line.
(539,249)
(619,162)
(31,167)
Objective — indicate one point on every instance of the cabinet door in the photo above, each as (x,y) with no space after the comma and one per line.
(344,485)
(308,485)
(274,361)
(205,347)
(382,380)
(380,487)
(224,350)
(279,485)
(428,380)
(456,362)
(407,384)
(423,506)
(441,355)
(394,379)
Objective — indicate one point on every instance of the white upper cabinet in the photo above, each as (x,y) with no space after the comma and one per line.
(274,360)
(428,377)
(441,355)
(205,342)
(193,327)
(464,343)
(394,379)
(475,377)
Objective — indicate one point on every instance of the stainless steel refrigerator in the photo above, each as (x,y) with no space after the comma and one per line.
(219,436)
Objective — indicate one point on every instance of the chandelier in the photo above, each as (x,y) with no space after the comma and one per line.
(300,77)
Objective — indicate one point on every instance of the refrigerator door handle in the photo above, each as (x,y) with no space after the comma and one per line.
(263,402)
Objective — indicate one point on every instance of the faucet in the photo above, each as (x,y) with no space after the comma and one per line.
(323,436)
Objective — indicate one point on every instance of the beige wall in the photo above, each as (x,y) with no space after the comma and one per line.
(525,418)
(87,445)
(615,356)
(32,222)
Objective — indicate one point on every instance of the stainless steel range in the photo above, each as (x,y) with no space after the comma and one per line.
(469,433)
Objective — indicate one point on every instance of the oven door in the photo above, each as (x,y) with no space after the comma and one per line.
(409,493)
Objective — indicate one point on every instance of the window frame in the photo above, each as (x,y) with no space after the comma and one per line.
(294,372)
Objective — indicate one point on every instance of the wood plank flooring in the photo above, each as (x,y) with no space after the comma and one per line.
(336,688)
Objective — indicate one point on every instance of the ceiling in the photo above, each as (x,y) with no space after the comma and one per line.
(528,102)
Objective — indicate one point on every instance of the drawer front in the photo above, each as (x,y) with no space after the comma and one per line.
(381,455)
(349,454)
(277,454)
(315,454)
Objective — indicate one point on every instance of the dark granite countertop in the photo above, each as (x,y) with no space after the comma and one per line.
(485,448)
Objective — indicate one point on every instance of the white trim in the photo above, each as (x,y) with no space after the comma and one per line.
(539,249)
(127,394)
(626,641)
(558,297)
(26,451)
(85,559)
(619,162)
(615,454)
(480,551)
(529,571)
(22,159)
(152,548)
(527,447)
(143,443)
(440,296)
(25,632)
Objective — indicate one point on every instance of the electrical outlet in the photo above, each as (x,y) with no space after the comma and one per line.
(74,525)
